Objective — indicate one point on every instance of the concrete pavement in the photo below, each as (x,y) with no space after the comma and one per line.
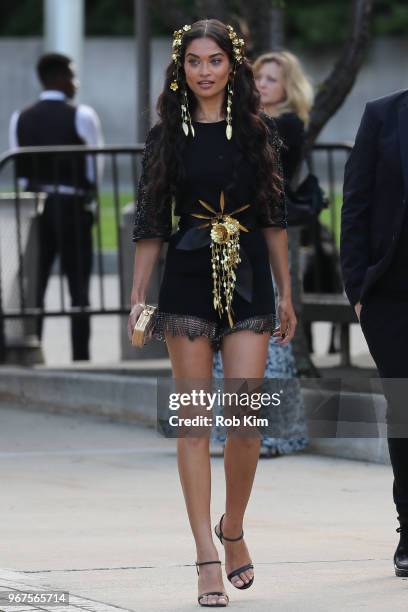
(95,508)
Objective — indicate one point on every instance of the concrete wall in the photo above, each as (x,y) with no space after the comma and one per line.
(110,78)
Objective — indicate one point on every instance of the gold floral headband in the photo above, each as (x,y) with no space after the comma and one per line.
(237,46)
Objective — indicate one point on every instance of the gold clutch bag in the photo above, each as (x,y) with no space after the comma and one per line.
(143,325)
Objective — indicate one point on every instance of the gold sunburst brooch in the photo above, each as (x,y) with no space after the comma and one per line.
(225,256)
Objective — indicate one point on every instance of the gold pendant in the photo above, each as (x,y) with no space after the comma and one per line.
(185,128)
(224,253)
(229,131)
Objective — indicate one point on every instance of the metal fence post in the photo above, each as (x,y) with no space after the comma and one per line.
(2,325)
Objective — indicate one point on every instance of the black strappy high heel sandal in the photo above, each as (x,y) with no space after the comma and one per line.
(219,593)
(237,571)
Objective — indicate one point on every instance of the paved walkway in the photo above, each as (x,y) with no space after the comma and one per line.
(95,508)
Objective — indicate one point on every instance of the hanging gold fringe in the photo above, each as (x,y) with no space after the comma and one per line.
(225,255)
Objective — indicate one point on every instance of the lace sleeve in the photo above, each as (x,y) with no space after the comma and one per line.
(275,215)
(152,219)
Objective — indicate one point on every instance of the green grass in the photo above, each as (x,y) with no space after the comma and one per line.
(108,224)
(335,211)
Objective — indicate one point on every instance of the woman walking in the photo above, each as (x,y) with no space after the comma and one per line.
(216,157)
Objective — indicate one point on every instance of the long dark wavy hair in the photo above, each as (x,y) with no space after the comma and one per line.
(250,131)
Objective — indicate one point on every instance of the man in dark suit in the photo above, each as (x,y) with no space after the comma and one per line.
(374,258)
(65,225)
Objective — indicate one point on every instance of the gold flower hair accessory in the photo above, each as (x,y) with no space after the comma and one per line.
(177,40)
(237,47)
(186,122)
(237,44)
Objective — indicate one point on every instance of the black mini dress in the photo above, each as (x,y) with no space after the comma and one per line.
(218,177)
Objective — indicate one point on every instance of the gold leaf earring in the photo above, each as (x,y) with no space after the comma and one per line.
(229,111)
(186,122)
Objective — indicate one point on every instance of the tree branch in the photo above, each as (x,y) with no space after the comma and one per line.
(339,83)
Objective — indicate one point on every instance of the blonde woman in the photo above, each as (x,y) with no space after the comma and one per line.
(286,96)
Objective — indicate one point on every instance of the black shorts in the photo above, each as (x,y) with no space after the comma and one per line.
(185,305)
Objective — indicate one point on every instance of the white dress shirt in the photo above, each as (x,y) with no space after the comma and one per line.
(87,125)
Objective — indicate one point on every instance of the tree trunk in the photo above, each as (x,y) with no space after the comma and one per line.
(265,22)
(276,27)
(336,87)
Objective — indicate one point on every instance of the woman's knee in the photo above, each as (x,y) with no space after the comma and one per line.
(244,441)
(198,443)
(190,358)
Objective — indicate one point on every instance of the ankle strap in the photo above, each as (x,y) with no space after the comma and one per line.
(205,563)
(233,539)
(223,537)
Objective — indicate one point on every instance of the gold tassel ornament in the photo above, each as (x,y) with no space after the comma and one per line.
(225,256)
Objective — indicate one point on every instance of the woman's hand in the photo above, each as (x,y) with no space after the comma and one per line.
(288,322)
(133,317)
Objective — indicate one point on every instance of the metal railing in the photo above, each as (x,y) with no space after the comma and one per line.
(121,175)
(328,302)
(19,232)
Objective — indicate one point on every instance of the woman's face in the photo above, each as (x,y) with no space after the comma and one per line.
(207,68)
(269,81)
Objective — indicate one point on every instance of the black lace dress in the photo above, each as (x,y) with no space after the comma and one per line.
(213,165)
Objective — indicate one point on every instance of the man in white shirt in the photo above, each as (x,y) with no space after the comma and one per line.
(65,225)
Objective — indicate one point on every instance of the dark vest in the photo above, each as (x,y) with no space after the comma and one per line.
(50,123)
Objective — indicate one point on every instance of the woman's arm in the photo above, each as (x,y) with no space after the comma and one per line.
(147,253)
(152,226)
(274,224)
(277,243)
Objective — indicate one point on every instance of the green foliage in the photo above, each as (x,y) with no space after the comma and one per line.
(315,24)
(22,18)
(310,23)
(109,17)
(393,19)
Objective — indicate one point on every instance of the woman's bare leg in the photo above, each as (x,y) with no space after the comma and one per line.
(194,360)
(241,452)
